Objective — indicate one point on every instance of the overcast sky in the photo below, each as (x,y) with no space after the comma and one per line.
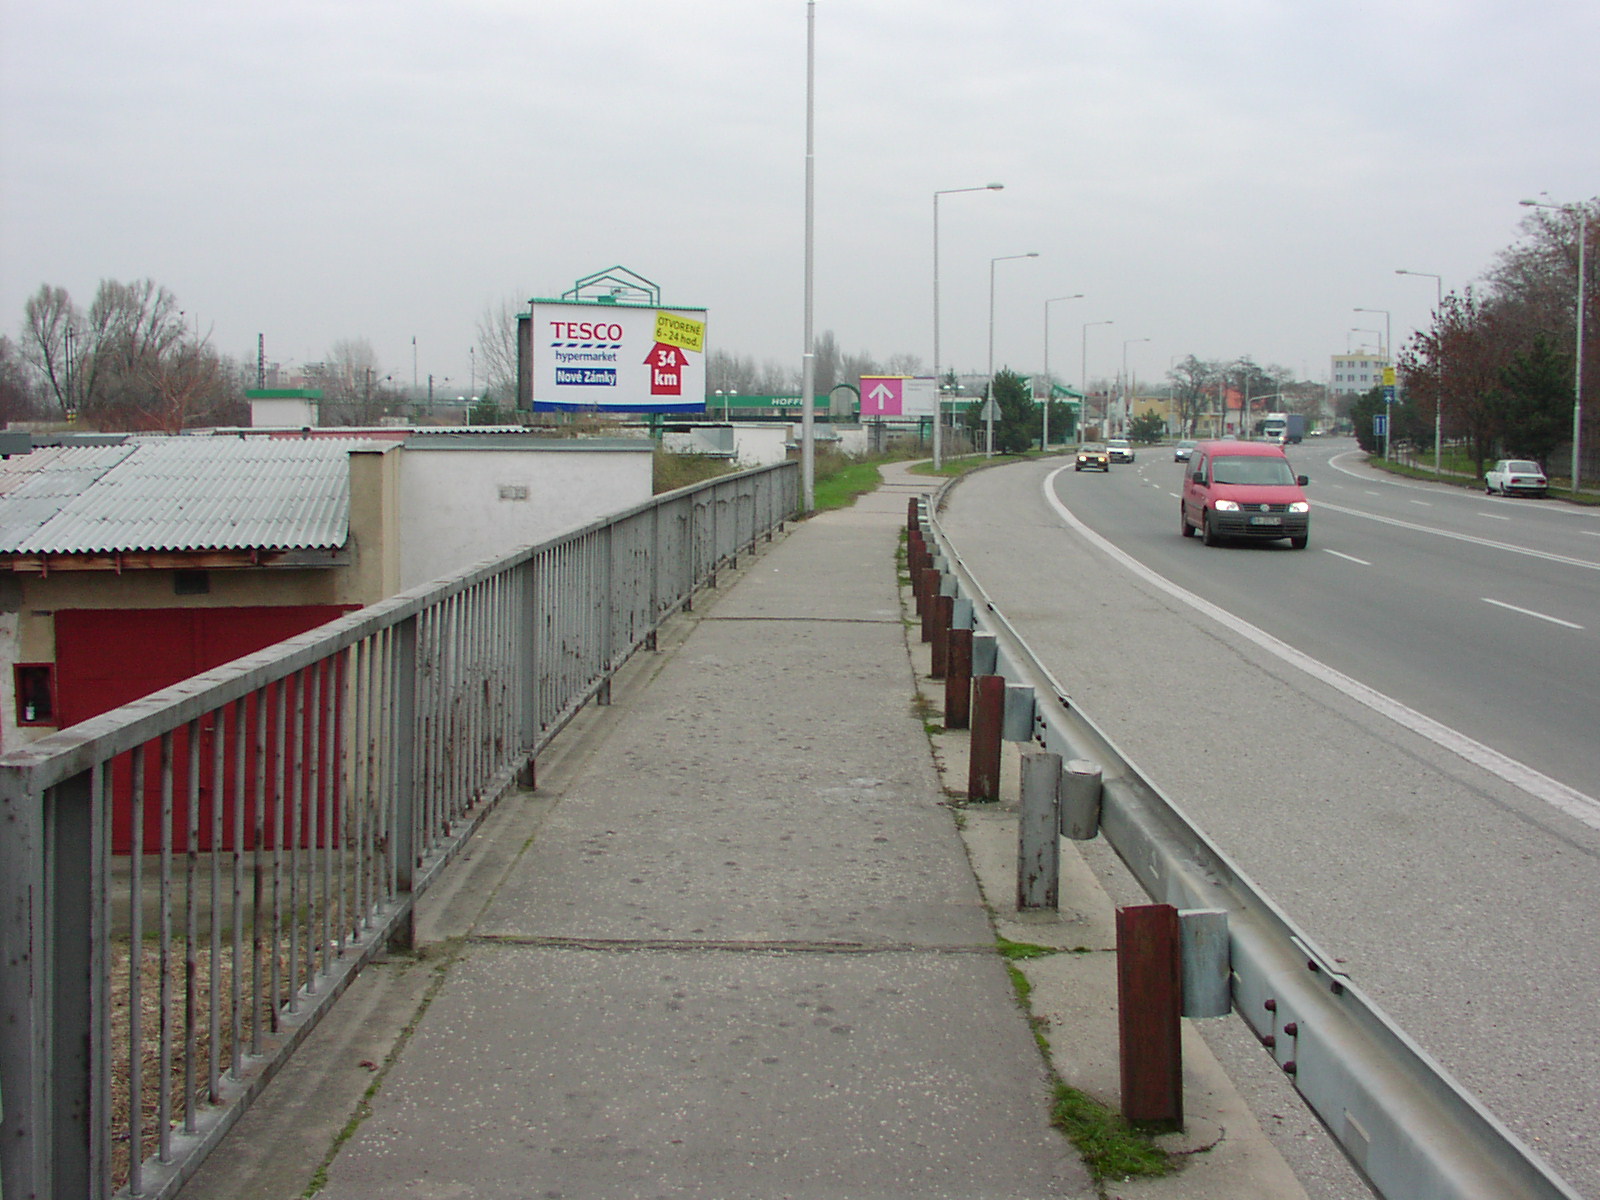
(1223,179)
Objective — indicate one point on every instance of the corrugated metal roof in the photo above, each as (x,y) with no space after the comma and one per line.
(178,494)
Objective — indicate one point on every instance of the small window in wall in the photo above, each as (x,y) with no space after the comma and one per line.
(36,693)
(191,583)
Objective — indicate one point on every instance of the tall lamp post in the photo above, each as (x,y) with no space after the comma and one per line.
(1125,410)
(1582,213)
(1438,404)
(1049,388)
(988,407)
(938,379)
(1083,373)
(1386,352)
(808,360)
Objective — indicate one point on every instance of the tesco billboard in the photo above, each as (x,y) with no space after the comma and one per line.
(592,356)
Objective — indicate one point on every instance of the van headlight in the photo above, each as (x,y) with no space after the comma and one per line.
(1226,506)
(1300,506)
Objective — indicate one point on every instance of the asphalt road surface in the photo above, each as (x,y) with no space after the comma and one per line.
(1392,731)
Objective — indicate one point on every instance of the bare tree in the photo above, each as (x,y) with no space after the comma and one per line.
(21,397)
(50,321)
(497,346)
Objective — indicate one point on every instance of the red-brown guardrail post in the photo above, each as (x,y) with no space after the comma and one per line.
(1149,1001)
(988,717)
(916,563)
(944,608)
(930,593)
(958,680)
(911,514)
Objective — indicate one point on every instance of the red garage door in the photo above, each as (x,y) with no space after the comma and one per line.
(107,657)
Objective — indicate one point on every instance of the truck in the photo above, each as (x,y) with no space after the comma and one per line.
(1283,427)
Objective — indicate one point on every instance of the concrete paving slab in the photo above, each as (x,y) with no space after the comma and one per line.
(560,1072)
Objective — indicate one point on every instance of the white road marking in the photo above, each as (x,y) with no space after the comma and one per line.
(1346,557)
(1575,804)
(1528,612)
(1467,537)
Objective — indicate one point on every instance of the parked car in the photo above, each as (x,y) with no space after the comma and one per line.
(1092,456)
(1119,450)
(1516,477)
(1235,489)
(1182,451)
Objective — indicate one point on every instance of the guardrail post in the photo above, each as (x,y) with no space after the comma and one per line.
(1020,711)
(988,716)
(916,563)
(1080,800)
(911,514)
(943,610)
(930,593)
(1149,999)
(1038,843)
(1206,967)
(958,680)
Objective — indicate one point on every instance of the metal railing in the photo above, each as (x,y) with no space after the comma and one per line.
(188,882)
(1409,1128)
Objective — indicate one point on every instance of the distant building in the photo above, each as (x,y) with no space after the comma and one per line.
(1356,374)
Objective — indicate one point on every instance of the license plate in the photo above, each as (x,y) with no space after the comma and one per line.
(1266,520)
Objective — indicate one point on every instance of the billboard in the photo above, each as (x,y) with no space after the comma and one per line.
(897,395)
(626,358)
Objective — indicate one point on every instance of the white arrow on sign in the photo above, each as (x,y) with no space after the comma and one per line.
(881,393)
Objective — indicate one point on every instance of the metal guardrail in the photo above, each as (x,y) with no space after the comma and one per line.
(1405,1124)
(281,815)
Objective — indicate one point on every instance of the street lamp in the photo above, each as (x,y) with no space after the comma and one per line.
(1126,343)
(1582,214)
(988,408)
(1049,389)
(938,380)
(1438,404)
(1083,372)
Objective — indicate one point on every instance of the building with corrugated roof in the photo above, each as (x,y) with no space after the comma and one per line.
(127,567)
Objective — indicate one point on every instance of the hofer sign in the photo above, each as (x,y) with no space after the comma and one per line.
(617,357)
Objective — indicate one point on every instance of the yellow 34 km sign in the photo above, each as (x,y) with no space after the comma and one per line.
(675,330)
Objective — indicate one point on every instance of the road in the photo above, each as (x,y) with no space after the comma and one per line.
(1391,731)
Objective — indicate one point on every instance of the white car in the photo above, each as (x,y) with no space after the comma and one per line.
(1516,477)
(1119,450)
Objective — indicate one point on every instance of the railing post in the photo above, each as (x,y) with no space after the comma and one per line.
(407,815)
(54,1014)
(607,619)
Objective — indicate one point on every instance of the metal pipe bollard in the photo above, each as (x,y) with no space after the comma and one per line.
(1038,842)
(1080,800)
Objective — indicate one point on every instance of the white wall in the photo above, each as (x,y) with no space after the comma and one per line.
(760,445)
(463,503)
(282,412)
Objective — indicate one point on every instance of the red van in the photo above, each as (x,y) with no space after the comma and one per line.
(1243,490)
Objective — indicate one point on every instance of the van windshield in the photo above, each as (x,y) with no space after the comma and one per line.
(1254,469)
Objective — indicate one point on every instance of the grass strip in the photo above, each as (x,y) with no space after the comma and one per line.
(1111,1148)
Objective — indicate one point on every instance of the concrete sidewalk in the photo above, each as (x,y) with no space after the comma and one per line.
(739,944)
